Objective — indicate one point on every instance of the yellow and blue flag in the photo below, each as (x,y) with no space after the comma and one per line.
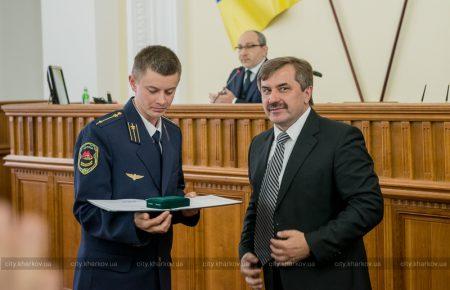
(242,15)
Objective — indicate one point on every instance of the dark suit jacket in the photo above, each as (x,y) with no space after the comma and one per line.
(330,192)
(253,95)
(113,252)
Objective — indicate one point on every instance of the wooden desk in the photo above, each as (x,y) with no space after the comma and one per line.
(5,175)
(410,145)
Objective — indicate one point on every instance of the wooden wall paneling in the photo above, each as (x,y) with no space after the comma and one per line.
(365,129)
(410,145)
(222,226)
(69,139)
(447,150)
(59,138)
(373,242)
(49,136)
(40,136)
(438,150)
(428,160)
(406,155)
(387,256)
(421,230)
(20,135)
(244,133)
(68,229)
(386,157)
(29,136)
(5,177)
(12,136)
(79,125)
(186,253)
(189,144)
(376,146)
(202,140)
(215,153)
(229,143)
(33,192)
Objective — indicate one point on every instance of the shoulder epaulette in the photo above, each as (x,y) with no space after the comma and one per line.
(170,121)
(109,118)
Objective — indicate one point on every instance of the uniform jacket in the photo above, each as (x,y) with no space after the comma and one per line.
(330,192)
(115,159)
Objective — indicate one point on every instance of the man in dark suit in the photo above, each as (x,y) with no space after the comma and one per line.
(131,153)
(315,194)
(241,84)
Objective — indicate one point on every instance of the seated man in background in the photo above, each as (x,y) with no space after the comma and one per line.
(241,84)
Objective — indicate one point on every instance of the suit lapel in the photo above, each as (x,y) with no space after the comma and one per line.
(261,163)
(146,151)
(238,81)
(168,153)
(305,143)
(252,90)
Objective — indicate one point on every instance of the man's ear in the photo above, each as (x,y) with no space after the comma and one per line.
(308,94)
(132,81)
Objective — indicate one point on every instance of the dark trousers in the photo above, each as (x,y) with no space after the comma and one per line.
(272,278)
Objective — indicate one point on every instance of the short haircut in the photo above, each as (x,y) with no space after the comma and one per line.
(261,38)
(159,59)
(303,71)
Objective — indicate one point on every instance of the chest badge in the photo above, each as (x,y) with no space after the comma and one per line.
(134,176)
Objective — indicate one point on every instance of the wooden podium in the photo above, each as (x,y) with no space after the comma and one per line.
(410,145)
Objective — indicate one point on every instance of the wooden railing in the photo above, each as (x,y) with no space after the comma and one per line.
(410,145)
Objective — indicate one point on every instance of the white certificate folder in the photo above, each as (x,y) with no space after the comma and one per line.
(140,205)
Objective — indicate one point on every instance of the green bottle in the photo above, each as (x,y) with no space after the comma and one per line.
(85,97)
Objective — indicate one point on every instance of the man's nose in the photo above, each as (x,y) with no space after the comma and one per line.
(162,97)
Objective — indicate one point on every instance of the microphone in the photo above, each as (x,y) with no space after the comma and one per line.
(423,94)
(446,97)
(238,71)
(317,74)
(223,91)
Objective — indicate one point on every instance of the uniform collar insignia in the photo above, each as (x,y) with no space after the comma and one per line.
(134,133)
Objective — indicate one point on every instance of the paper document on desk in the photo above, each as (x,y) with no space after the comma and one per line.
(139,205)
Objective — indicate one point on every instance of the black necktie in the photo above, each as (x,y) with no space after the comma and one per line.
(157,138)
(247,82)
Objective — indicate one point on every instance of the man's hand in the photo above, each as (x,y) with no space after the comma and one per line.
(224,96)
(157,225)
(190,212)
(290,248)
(251,274)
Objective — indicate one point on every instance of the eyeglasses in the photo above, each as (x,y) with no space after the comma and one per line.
(248,46)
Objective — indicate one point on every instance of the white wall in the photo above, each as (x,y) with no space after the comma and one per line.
(308,30)
(86,38)
(20,50)
(94,43)
(68,36)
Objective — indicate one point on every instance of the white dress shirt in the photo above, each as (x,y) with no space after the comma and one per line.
(293,131)
(151,129)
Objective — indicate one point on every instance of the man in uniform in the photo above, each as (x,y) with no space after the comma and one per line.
(132,153)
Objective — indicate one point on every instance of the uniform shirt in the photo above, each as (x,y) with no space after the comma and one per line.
(293,131)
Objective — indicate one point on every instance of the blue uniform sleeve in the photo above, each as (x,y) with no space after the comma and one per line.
(93,163)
